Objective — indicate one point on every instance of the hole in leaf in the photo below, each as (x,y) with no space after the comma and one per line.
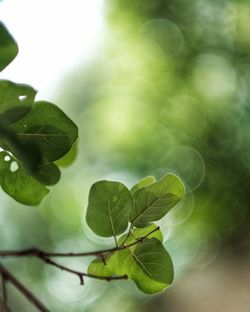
(14,166)
(7,158)
(22,97)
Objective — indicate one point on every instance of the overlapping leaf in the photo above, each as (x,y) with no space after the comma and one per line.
(18,184)
(148,264)
(35,138)
(143,183)
(152,202)
(32,135)
(49,129)
(16,100)
(137,234)
(108,209)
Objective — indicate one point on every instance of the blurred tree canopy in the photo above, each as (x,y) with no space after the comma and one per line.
(167,92)
(170,91)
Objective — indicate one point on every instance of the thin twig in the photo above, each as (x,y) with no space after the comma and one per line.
(45,256)
(81,275)
(29,296)
(127,236)
(35,252)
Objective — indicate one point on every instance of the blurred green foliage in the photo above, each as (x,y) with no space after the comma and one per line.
(168,92)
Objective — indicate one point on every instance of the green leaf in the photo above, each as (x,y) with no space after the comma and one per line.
(108,208)
(48,128)
(16,100)
(97,267)
(154,260)
(142,232)
(152,202)
(27,154)
(8,47)
(47,174)
(69,158)
(148,265)
(142,183)
(34,141)
(22,187)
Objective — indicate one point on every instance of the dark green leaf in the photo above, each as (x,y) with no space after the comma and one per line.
(154,260)
(16,100)
(47,174)
(27,154)
(35,140)
(142,183)
(67,159)
(15,182)
(49,129)
(152,202)
(108,208)
(8,47)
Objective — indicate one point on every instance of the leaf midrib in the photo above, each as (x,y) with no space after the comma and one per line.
(146,209)
(142,265)
(111,221)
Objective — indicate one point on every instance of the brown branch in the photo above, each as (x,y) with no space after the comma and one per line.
(7,276)
(35,252)
(45,256)
(81,275)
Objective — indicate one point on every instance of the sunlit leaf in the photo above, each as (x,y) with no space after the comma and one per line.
(142,232)
(152,202)
(148,265)
(97,267)
(8,47)
(108,208)
(142,183)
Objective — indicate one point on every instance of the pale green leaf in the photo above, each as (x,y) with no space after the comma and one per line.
(97,267)
(148,265)
(142,183)
(142,232)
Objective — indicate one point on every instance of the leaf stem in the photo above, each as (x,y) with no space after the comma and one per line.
(129,231)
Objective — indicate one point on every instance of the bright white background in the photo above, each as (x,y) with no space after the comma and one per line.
(53,36)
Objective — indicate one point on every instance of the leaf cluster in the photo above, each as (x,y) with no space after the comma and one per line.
(33,135)
(140,254)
